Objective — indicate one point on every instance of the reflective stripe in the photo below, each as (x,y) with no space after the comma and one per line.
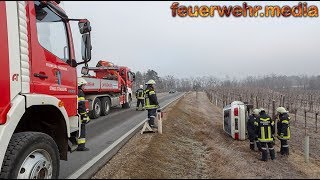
(285,146)
(263,136)
(265,140)
(251,142)
(264,148)
(151,92)
(81,140)
(287,137)
(265,119)
(151,107)
(255,123)
(285,122)
(269,132)
(81,99)
(272,123)
(271,148)
(86,119)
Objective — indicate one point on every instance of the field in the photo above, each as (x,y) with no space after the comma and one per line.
(193,145)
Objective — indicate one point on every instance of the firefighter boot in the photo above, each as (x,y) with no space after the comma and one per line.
(272,154)
(83,149)
(259,146)
(252,146)
(281,150)
(286,150)
(264,155)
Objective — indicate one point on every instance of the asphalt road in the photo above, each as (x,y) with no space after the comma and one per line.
(103,131)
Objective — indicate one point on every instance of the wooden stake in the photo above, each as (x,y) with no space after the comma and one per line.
(306,149)
(305,123)
(316,122)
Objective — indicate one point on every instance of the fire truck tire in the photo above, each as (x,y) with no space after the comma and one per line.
(31,155)
(96,111)
(105,104)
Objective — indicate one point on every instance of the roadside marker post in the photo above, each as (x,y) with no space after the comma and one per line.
(159,118)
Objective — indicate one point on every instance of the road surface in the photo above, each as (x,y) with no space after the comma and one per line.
(103,131)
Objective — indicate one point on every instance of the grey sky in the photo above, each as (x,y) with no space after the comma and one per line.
(144,35)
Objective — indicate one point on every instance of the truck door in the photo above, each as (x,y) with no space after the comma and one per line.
(50,51)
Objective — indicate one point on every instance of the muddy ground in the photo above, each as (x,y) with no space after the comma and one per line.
(193,145)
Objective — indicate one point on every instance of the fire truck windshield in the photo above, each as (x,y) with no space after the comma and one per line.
(51,30)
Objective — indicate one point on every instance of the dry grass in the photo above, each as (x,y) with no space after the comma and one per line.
(193,145)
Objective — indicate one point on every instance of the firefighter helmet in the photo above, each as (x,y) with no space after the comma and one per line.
(81,81)
(151,82)
(281,110)
(261,109)
(256,112)
(141,86)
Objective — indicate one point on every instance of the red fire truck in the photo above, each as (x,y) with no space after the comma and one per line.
(38,80)
(111,86)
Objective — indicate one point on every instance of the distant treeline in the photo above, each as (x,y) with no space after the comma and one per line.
(273,81)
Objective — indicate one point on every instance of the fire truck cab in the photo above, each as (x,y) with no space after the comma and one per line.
(39,121)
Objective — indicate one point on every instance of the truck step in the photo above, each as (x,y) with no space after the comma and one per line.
(72,143)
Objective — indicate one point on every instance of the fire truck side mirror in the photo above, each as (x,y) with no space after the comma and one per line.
(85,70)
(133,76)
(86,47)
(84,26)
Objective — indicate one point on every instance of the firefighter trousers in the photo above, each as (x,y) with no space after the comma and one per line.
(152,113)
(82,139)
(264,151)
(254,140)
(284,150)
(140,101)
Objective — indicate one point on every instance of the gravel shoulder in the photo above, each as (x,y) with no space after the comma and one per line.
(193,145)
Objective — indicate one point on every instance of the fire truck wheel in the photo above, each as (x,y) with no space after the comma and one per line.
(105,104)
(31,155)
(96,111)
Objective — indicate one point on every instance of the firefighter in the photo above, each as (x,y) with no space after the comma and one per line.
(84,118)
(265,131)
(251,128)
(283,129)
(151,102)
(140,97)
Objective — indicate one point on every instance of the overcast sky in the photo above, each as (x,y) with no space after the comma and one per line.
(144,35)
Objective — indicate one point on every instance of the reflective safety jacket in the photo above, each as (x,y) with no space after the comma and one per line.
(251,128)
(81,101)
(82,107)
(140,94)
(265,128)
(151,101)
(283,126)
